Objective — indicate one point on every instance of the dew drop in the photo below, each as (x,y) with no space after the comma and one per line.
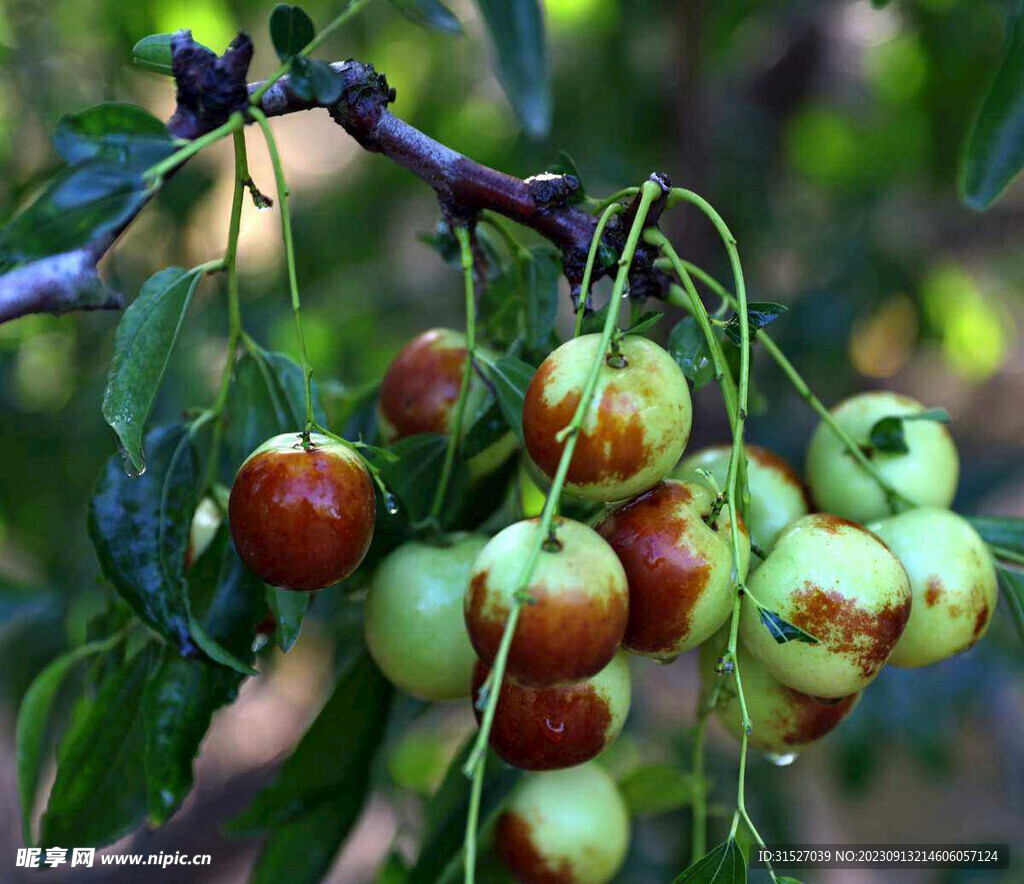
(132,471)
(782,760)
(391,504)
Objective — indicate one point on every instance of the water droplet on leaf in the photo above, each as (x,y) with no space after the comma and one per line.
(391,504)
(782,760)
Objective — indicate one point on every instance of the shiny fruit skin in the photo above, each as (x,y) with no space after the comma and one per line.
(953,578)
(302,519)
(420,390)
(553,728)
(576,622)
(635,429)
(927,474)
(777,495)
(783,720)
(678,567)
(564,827)
(414,625)
(840,583)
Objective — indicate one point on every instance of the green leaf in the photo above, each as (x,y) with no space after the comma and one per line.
(412,478)
(649,319)
(445,824)
(723,864)
(154,53)
(291,30)
(33,715)
(315,80)
(759,314)
(289,608)
(142,349)
(1012,584)
(79,204)
(517,33)
(333,756)
(542,271)
(510,377)
(994,153)
(566,165)
(887,433)
(393,870)
(782,630)
(124,134)
(99,794)
(657,788)
(140,528)
(1006,532)
(429,14)
(688,348)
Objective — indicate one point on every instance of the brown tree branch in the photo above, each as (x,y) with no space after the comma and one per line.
(210,88)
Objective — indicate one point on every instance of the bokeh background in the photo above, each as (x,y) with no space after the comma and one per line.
(828,135)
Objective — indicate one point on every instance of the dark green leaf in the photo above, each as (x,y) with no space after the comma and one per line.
(99,794)
(445,825)
(429,14)
(517,32)
(566,165)
(486,427)
(290,30)
(154,53)
(1006,532)
(542,274)
(33,715)
(333,756)
(782,630)
(393,870)
(142,348)
(723,864)
(315,80)
(645,322)
(80,203)
(412,478)
(688,348)
(887,433)
(1012,584)
(124,134)
(657,788)
(759,314)
(289,608)
(140,528)
(510,377)
(995,146)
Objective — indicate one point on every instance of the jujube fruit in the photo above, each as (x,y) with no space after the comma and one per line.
(777,496)
(783,720)
(678,566)
(562,726)
(302,518)
(953,579)
(839,583)
(635,429)
(926,474)
(567,826)
(415,630)
(576,619)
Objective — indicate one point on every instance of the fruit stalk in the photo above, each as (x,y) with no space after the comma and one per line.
(650,191)
(584,294)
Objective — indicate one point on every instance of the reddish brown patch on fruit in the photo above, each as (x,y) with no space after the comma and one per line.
(666,578)
(546,728)
(981,620)
(565,636)
(772,461)
(814,718)
(837,524)
(302,519)
(934,592)
(866,637)
(421,386)
(615,448)
(513,842)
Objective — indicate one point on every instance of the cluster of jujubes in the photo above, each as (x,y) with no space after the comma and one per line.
(828,601)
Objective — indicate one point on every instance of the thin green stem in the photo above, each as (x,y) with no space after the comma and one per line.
(588,271)
(473,821)
(699,800)
(455,431)
(158,170)
(289,250)
(649,192)
(234,306)
(350,11)
(619,195)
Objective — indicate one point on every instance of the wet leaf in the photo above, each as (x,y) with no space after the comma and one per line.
(688,348)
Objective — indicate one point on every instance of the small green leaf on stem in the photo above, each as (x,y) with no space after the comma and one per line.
(649,319)
(315,80)
(759,314)
(723,864)
(782,630)
(887,434)
(429,14)
(510,377)
(153,53)
(291,30)
(657,788)
(124,134)
(689,349)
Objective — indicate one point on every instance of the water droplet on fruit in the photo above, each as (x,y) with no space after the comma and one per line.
(782,760)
